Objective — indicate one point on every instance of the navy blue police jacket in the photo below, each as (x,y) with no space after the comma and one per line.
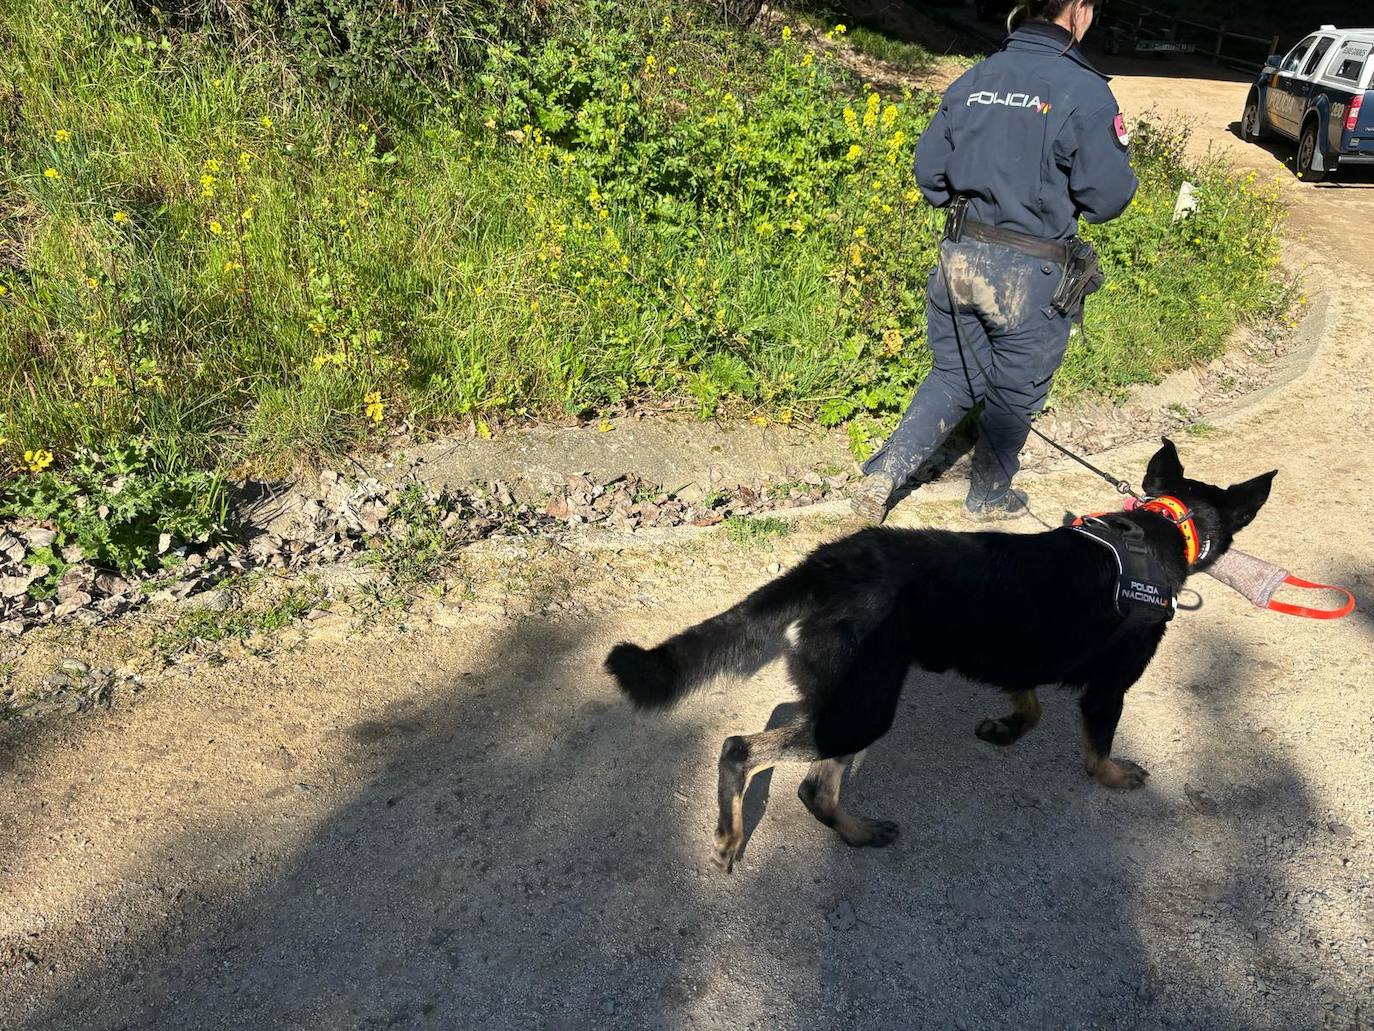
(1032,136)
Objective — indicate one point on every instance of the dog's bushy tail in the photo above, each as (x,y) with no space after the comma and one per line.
(738,642)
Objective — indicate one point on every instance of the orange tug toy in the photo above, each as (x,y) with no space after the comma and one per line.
(1251,577)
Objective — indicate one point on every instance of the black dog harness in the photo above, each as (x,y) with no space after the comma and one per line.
(1142,594)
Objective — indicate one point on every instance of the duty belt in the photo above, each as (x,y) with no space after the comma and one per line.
(959,227)
(1076,257)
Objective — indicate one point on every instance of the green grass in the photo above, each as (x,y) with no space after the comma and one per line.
(415,546)
(247,617)
(245,267)
(756,533)
(908,56)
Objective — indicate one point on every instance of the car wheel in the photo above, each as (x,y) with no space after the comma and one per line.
(1250,125)
(1307,150)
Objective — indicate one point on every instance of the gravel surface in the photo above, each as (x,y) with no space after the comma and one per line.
(455,823)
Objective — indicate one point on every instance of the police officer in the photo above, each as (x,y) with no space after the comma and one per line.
(1024,144)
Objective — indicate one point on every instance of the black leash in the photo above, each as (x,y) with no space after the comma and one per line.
(1122,486)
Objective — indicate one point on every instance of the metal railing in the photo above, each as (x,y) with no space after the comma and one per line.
(1207,39)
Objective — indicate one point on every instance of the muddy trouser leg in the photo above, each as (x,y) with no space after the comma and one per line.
(1025,358)
(943,397)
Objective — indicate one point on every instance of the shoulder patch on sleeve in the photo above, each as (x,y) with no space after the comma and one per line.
(1119,129)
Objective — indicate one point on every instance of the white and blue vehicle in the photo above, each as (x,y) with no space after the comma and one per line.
(1319,96)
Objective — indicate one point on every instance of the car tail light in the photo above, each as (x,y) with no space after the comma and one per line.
(1353,115)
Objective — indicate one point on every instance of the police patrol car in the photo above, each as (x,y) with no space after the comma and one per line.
(1320,95)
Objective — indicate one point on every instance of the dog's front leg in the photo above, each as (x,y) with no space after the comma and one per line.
(1101,711)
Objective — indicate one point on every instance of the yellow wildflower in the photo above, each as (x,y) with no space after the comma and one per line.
(245,159)
(483,430)
(604,426)
(851,121)
(362,127)
(373,406)
(211,165)
(889,115)
(856,254)
(787,32)
(37,460)
(246,214)
(855,152)
(232,266)
(52,173)
(266,122)
(479,290)
(120,218)
(3,289)
(860,230)
(672,69)
(759,420)
(807,60)
(216,228)
(62,136)
(840,30)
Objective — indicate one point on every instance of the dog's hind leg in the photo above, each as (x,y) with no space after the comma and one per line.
(1025,714)
(740,759)
(820,792)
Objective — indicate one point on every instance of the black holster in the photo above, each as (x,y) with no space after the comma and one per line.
(1082,276)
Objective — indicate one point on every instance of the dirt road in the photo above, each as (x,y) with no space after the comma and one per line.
(455,823)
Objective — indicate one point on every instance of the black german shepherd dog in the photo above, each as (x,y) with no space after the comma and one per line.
(1014,611)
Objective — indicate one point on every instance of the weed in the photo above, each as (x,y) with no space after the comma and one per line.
(1200,429)
(780,491)
(246,617)
(756,533)
(416,544)
(116,508)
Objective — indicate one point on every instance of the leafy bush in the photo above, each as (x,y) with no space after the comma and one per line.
(208,251)
(115,507)
(350,46)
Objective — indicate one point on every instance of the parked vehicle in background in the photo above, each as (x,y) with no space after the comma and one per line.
(1318,95)
(1140,30)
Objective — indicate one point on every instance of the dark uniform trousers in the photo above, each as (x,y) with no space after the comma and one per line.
(1006,320)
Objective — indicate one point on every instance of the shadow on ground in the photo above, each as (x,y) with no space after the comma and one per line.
(531,853)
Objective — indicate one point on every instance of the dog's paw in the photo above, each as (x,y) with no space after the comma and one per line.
(862,833)
(995,732)
(1121,774)
(723,855)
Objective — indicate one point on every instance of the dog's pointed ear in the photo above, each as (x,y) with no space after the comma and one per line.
(1244,500)
(1164,470)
